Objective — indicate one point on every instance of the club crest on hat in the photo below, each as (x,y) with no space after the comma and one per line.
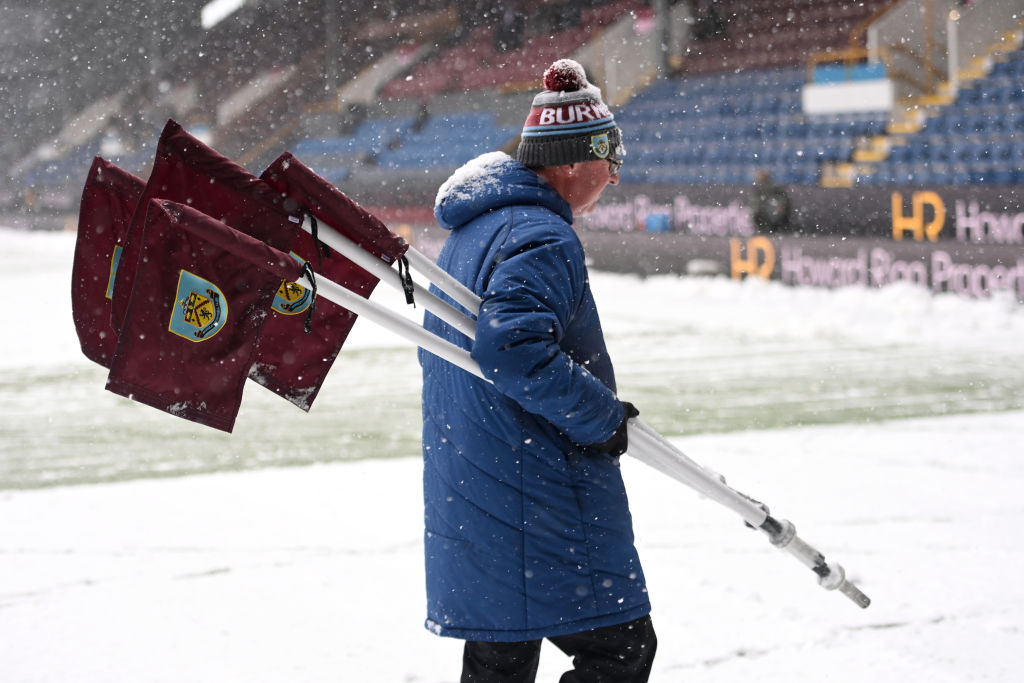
(200,309)
(292,298)
(600,145)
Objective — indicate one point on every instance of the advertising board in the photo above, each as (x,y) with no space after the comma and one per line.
(968,241)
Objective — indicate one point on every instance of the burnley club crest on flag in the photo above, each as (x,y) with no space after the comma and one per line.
(292,298)
(199,310)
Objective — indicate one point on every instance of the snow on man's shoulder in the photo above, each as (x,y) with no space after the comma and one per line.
(474,177)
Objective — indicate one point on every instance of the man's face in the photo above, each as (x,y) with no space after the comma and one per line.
(584,183)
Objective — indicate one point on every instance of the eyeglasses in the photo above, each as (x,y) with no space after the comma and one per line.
(614,164)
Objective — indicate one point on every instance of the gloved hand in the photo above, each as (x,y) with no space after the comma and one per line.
(618,443)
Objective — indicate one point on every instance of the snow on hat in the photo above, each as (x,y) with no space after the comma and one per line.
(568,122)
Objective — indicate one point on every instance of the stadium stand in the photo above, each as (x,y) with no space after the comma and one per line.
(448,140)
(334,157)
(473,68)
(727,106)
(182,71)
(481,60)
(978,139)
(754,34)
(734,108)
(723,128)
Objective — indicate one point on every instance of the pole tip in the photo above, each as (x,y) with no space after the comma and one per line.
(855,594)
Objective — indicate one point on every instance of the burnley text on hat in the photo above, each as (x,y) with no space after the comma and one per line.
(568,122)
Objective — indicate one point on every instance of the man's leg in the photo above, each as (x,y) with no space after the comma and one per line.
(623,653)
(484,662)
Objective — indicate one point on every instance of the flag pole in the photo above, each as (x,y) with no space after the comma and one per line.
(646,444)
(655,450)
(443,279)
(383,272)
(394,322)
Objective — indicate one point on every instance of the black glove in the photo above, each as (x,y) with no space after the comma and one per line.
(619,441)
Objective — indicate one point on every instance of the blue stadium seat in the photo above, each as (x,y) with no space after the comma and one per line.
(900,154)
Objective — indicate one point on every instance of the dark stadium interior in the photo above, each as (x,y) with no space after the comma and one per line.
(721,106)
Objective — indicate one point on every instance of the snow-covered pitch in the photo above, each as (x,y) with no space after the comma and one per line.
(314,573)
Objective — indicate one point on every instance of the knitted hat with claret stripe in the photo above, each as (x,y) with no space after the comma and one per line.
(568,122)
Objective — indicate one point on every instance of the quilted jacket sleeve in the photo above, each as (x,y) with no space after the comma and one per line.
(535,290)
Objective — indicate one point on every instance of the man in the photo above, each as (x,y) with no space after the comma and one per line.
(528,531)
(770,203)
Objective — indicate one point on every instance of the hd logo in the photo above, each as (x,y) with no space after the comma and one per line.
(759,260)
(200,309)
(926,220)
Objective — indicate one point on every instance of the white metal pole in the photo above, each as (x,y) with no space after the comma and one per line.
(440,277)
(645,444)
(651,448)
(382,271)
(392,321)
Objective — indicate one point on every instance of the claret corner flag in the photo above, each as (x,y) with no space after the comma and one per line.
(193,321)
(108,202)
(298,342)
(297,183)
(187,171)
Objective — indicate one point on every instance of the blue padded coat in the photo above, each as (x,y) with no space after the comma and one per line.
(525,536)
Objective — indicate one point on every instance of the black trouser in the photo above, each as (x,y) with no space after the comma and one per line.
(622,653)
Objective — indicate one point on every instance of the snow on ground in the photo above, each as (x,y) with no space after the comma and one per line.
(314,573)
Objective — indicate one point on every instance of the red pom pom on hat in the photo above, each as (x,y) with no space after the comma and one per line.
(565,75)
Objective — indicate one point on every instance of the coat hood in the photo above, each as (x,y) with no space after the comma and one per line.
(493,181)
